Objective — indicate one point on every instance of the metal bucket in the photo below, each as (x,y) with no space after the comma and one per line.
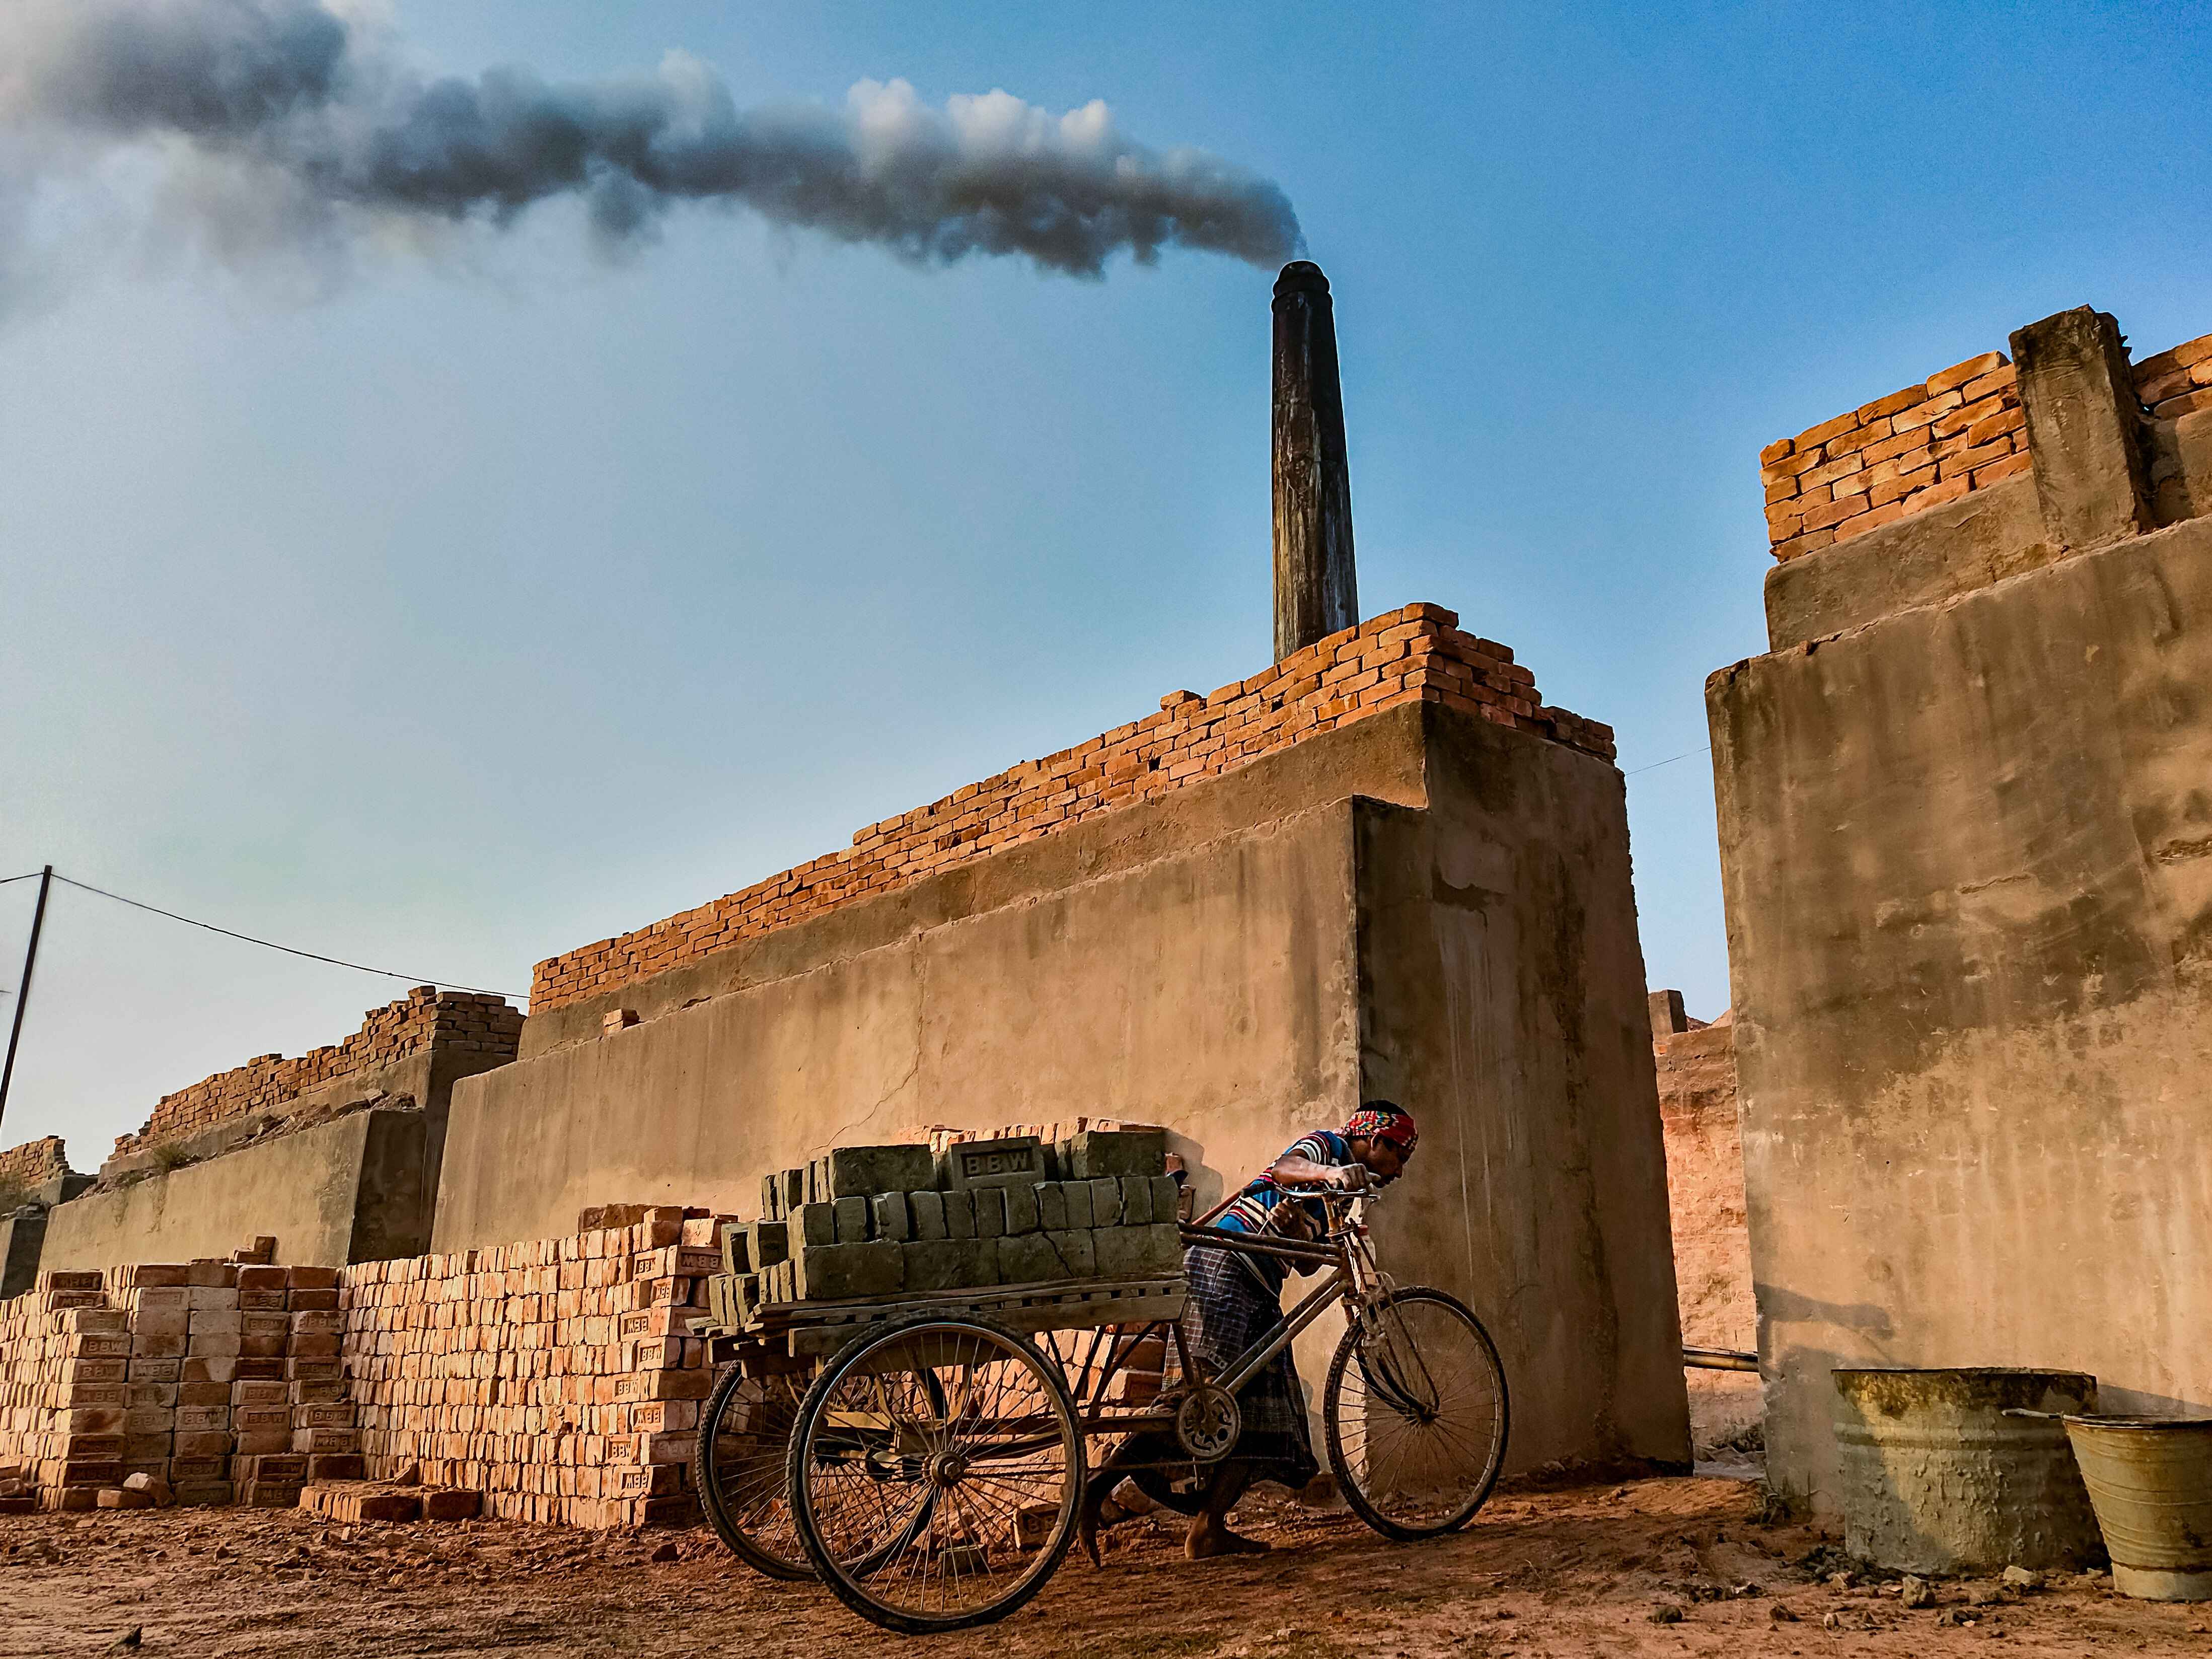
(2151,1480)
(1937,1478)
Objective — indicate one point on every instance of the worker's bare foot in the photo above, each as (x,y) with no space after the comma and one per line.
(1210,1538)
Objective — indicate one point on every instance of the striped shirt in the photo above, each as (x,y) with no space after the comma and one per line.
(1250,1213)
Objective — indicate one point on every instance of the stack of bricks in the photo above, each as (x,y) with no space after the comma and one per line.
(64,1362)
(881,1222)
(2178,381)
(459,1022)
(557,1378)
(222,1379)
(1955,432)
(1417,655)
(34,1163)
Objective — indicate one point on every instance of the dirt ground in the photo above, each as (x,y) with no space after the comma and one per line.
(1604,1569)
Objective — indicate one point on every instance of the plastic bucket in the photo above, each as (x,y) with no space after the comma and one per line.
(1937,1478)
(2150,1479)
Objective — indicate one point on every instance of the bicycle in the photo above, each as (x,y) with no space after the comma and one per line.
(935,1467)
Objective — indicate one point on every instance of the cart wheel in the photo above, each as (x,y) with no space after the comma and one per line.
(936,1473)
(1415,1410)
(745,1439)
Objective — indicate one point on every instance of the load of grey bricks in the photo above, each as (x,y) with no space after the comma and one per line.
(886,1222)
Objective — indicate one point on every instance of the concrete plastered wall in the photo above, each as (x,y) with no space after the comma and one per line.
(1967,855)
(1502,998)
(1204,962)
(357,1189)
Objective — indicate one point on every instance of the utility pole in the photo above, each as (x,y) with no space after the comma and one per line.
(23,988)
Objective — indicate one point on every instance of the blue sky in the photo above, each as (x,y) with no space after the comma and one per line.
(484,603)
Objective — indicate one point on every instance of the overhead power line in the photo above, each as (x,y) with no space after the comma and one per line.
(271,945)
(1705,749)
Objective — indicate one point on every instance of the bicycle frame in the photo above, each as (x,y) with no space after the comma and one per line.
(1353,1277)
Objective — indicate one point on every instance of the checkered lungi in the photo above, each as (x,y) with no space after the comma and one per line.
(1230,1310)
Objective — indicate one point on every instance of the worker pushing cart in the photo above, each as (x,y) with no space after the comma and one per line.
(927,1454)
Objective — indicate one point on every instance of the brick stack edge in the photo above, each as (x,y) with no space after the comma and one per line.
(222,1379)
(461,1022)
(554,1377)
(902,1220)
(1416,654)
(34,1163)
(1955,432)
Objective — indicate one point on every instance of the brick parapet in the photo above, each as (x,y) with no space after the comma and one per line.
(1959,430)
(1416,654)
(457,1022)
(34,1163)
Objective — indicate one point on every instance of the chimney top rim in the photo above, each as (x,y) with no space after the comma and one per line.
(1300,275)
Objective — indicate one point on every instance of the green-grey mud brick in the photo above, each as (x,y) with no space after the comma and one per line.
(1167,1198)
(794,1189)
(981,1265)
(892,1221)
(815,1223)
(959,1215)
(769,1244)
(864,1171)
(1078,1257)
(1136,1201)
(1022,1209)
(1028,1259)
(927,1211)
(1076,1194)
(771,1197)
(1017,1160)
(933,1264)
(1105,1201)
(737,1252)
(1096,1152)
(990,1211)
(745,1299)
(1162,1248)
(1051,1207)
(1120,1251)
(831,1271)
(852,1214)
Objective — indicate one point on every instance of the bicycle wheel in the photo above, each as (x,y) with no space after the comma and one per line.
(738,1468)
(936,1473)
(1415,1412)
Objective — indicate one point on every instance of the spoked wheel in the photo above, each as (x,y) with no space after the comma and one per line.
(738,1468)
(936,1473)
(1415,1410)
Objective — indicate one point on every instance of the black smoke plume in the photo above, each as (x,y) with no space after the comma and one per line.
(327,126)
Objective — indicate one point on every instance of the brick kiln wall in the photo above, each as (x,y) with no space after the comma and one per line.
(458,1021)
(34,1163)
(1417,655)
(1957,431)
(1705,1203)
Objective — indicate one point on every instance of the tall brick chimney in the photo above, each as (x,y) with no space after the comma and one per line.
(1316,592)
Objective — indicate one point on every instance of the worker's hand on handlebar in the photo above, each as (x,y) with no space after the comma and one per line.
(1347,1177)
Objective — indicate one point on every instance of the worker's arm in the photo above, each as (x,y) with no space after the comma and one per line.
(1292,1170)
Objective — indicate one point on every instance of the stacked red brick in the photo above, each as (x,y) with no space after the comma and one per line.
(2178,381)
(1417,655)
(462,1022)
(220,1378)
(1955,432)
(34,1163)
(556,1376)
(64,1365)
(1916,448)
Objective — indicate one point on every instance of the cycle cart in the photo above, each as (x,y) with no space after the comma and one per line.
(928,1456)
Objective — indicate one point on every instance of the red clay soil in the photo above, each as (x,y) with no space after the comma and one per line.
(1588,1570)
